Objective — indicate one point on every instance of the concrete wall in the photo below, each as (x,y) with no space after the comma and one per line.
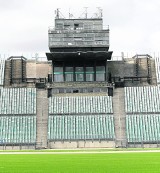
(122,68)
(38,69)
(17,147)
(81,144)
(132,67)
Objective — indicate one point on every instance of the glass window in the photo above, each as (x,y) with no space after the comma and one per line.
(79,71)
(89,74)
(100,73)
(69,69)
(69,77)
(100,76)
(89,77)
(79,77)
(100,69)
(58,74)
(61,90)
(68,90)
(58,78)
(58,69)
(89,70)
(69,73)
(96,90)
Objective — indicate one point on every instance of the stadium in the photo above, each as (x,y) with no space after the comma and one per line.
(79,96)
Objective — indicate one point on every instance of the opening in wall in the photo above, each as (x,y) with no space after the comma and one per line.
(75,91)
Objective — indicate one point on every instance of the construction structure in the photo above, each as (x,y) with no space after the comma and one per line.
(80,97)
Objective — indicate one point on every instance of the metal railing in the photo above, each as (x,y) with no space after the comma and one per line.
(71,29)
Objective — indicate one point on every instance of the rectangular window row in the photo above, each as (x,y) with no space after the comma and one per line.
(79,74)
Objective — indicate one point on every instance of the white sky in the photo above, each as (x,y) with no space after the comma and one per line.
(134,24)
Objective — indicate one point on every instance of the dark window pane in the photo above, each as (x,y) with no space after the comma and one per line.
(58,69)
(79,70)
(68,69)
(100,69)
(89,69)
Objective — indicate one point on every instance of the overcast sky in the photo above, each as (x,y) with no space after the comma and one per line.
(134,24)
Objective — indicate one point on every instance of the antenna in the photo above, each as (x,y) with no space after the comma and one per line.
(86,13)
(70,14)
(100,12)
(57,13)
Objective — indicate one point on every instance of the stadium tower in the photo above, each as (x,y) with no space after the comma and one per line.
(80,97)
(79,50)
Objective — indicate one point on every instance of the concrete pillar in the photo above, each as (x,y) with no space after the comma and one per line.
(42,118)
(119,117)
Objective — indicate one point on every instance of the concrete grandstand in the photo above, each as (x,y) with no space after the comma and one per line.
(79,97)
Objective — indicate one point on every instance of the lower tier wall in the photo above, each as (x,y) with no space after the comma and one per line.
(20,147)
(143,145)
(80,144)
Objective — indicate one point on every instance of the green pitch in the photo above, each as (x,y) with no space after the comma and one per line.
(81,163)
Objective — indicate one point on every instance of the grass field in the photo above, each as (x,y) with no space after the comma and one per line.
(81,163)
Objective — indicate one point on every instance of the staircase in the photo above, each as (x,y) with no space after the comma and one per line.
(42,118)
(18,70)
(119,117)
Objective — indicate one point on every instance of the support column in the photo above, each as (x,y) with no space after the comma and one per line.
(119,117)
(42,118)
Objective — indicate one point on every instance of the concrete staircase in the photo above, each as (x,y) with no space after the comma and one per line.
(42,118)
(18,69)
(119,117)
(15,71)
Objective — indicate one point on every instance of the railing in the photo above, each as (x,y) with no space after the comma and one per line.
(78,43)
(28,80)
(69,29)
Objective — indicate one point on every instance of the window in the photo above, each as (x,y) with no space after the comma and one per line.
(75,91)
(59,26)
(58,78)
(68,90)
(76,25)
(100,73)
(89,74)
(61,90)
(68,73)
(58,74)
(96,90)
(79,72)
